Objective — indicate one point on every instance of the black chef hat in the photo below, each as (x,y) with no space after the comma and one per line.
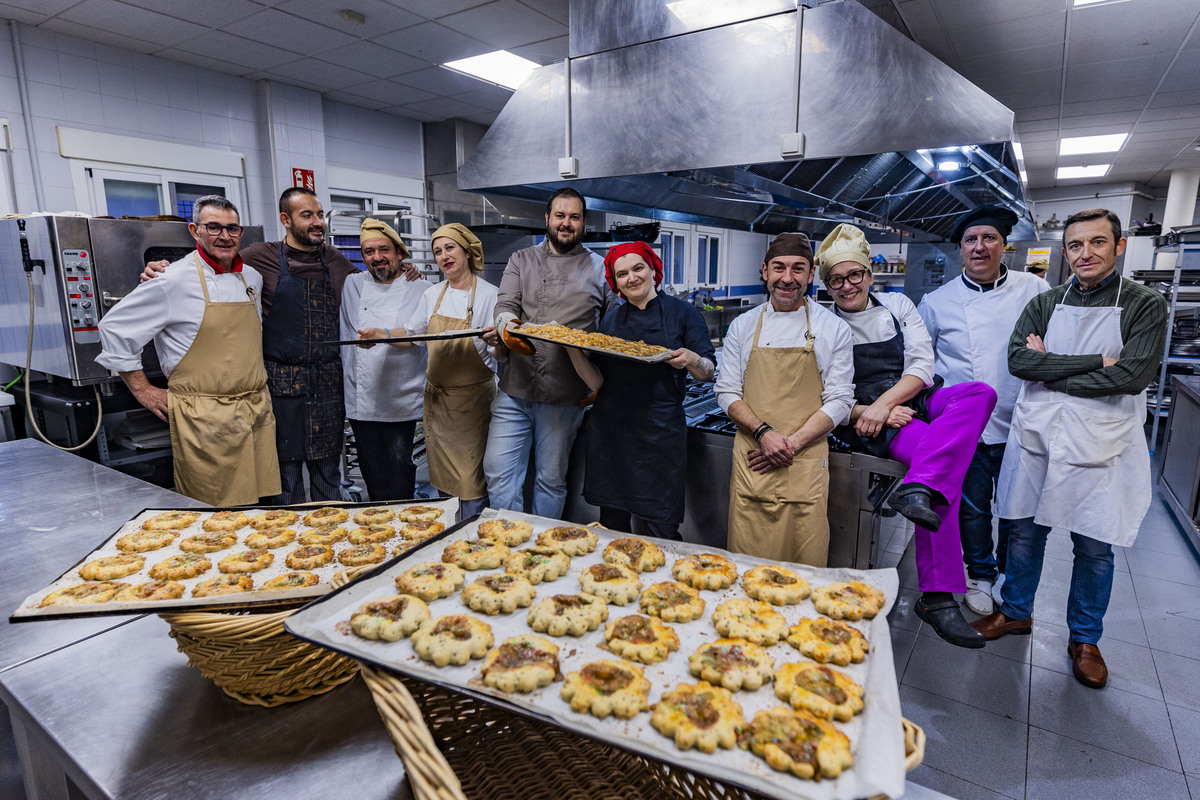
(999,217)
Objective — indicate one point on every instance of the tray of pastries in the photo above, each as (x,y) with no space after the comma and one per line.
(210,559)
(775,677)
(593,342)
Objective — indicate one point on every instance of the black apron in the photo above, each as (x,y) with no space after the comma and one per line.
(878,366)
(637,432)
(303,374)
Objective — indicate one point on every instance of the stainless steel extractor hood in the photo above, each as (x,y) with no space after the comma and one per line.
(707,111)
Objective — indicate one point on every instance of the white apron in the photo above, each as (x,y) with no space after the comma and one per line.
(1079,463)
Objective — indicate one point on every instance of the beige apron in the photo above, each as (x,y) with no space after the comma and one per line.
(783,514)
(459,389)
(222,429)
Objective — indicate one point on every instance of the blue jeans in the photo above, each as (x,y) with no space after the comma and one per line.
(1091,579)
(517,426)
(975,515)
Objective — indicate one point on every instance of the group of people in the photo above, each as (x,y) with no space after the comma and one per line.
(1003,397)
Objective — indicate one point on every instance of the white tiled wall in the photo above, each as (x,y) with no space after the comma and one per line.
(90,86)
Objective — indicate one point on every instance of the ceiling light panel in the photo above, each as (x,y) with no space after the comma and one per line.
(1088,171)
(500,67)
(1078,145)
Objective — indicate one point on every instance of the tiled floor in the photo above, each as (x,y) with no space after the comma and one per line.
(1010,721)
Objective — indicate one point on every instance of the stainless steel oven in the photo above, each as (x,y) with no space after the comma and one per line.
(81,267)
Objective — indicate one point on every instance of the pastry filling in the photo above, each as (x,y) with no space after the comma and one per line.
(499,583)
(631,547)
(436,570)
(635,629)
(605,572)
(727,658)
(797,738)
(672,597)
(698,708)
(605,678)
(388,609)
(776,578)
(565,602)
(458,627)
(820,682)
(832,635)
(519,654)
(311,551)
(563,534)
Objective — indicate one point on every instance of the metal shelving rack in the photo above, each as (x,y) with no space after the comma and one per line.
(1180,243)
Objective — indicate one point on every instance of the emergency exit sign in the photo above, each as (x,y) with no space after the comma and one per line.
(304,178)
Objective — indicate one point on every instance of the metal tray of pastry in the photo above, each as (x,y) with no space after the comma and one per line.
(875,740)
(465,333)
(31,609)
(533,337)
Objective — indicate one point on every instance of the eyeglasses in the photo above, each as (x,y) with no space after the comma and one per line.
(215,228)
(855,278)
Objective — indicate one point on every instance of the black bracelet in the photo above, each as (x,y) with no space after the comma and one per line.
(761,431)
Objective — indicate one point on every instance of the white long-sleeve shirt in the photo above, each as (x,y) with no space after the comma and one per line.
(874,324)
(381,383)
(168,310)
(833,347)
(454,304)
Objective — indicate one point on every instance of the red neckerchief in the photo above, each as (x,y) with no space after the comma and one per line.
(237,261)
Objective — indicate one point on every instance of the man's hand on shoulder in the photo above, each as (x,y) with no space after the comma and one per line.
(411,273)
(153,270)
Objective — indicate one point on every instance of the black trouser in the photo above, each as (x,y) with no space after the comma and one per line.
(385,458)
(618,519)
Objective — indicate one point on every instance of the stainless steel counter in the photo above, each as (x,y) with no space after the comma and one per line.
(1180,477)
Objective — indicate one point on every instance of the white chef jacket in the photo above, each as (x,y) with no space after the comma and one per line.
(970,332)
(833,347)
(454,304)
(382,383)
(168,310)
(874,324)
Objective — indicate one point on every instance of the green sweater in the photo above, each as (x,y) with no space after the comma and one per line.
(1143,328)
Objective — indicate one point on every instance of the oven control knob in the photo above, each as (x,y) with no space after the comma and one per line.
(86,304)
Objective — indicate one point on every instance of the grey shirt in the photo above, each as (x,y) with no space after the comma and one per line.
(540,286)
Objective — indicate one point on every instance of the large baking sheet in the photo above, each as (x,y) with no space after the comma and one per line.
(465,333)
(29,609)
(875,735)
(533,337)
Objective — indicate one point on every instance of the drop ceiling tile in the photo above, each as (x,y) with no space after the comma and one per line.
(382,17)
(211,13)
(1118,46)
(1107,108)
(37,15)
(983,17)
(555,9)
(343,96)
(1167,19)
(375,59)
(545,52)
(1017,33)
(1183,72)
(388,93)
(1031,113)
(408,113)
(491,98)
(1027,59)
(485,119)
(220,46)
(1029,127)
(1160,109)
(299,35)
(1030,88)
(941,48)
(313,74)
(506,24)
(432,42)
(443,81)
(1134,77)
(107,15)
(444,107)
(920,17)
(118,40)
(432,9)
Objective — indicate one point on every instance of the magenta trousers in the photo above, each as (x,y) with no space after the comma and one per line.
(937,454)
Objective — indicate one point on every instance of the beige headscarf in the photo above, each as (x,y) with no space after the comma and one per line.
(844,243)
(466,240)
(374,229)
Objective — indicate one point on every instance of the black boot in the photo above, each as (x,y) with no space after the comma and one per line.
(942,612)
(912,500)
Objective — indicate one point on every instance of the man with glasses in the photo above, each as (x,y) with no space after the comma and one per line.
(969,321)
(204,319)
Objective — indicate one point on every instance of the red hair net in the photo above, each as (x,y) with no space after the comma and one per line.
(637,248)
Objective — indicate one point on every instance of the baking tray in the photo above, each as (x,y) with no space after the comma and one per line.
(29,610)
(533,337)
(424,337)
(877,749)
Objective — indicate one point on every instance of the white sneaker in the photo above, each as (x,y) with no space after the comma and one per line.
(979,596)
(996,590)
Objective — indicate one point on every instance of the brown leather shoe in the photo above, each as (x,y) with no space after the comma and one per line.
(995,625)
(1087,664)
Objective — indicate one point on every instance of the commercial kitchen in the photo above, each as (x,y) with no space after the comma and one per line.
(705,129)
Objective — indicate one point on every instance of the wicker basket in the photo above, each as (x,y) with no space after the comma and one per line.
(451,751)
(253,659)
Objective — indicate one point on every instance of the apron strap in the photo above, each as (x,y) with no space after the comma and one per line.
(808,336)
(470,300)
(204,284)
(283,264)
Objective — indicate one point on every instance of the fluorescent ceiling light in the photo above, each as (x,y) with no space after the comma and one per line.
(501,67)
(1018,151)
(1079,3)
(697,14)
(948,166)
(1024,177)
(1093,171)
(1078,145)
